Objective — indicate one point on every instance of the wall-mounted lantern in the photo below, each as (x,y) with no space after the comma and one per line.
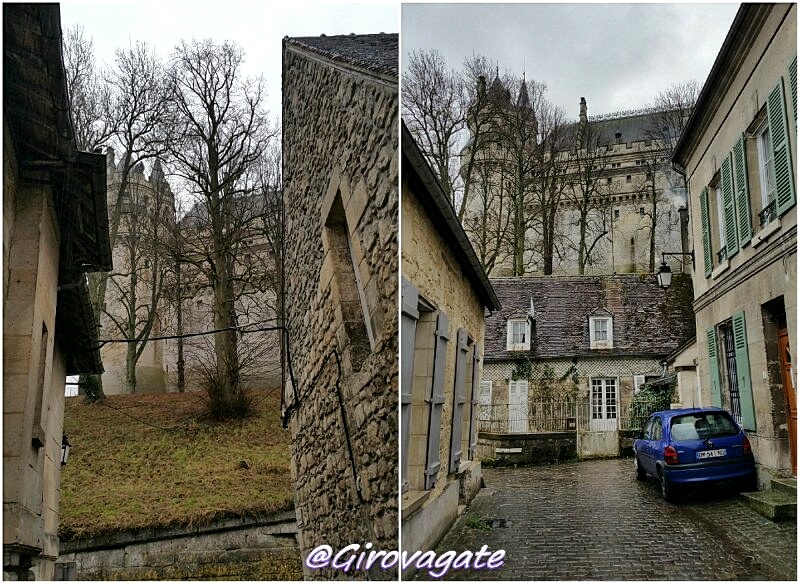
(664,274)
(64,449)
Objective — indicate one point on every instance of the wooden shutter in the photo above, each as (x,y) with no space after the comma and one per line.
(475,402)
(708,261)
(713,366)
(742,198)
(743,372)
(408,329)
(458,400)
(436,400)
(779,134)
(793,86)
(729,208)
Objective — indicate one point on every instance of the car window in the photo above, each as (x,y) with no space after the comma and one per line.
(647,433)
(658,432)
(702,425)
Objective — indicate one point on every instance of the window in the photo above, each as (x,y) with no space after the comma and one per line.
(519,338)
(603,400)
(616,213)
(608,181)
(628,179)
(641,211)
(729,369)
(766,168)
(720,222)
(601,332)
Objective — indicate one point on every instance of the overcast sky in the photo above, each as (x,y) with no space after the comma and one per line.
(258,27)
(618,56)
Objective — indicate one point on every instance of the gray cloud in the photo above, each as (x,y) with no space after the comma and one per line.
(618,56)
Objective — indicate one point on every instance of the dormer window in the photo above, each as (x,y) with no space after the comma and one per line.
(601,332)
(518,335)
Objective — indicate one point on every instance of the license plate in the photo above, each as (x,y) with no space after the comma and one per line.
(711,453)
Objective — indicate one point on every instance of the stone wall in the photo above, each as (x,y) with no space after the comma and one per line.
(431,266)
(340,171)
(508,449)
(264,549)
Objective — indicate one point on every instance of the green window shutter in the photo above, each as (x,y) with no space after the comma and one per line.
(743,372)
(793,86)
(742,199)
(779,132)
(704,222)
(713,366)
(729,208)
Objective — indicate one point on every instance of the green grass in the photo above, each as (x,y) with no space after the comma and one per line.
(143,461)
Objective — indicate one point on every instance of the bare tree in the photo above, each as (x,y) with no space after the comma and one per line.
(133,299)
(586,196)
(90,97)
(123,109)
(222,136)
(673,107)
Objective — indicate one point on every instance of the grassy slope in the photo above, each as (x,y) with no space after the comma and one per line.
(126,474)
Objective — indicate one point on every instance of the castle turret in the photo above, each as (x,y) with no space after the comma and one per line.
(523,100)
(583,117)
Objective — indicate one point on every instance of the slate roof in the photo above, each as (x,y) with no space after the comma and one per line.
(376,52)
(648,321)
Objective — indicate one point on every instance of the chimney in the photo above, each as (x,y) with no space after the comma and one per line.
(683,213)
(481,87)
(584,118)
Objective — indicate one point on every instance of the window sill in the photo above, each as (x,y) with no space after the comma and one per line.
(768,230)
(720,269)
(518,348)
(601,347)
(412,501)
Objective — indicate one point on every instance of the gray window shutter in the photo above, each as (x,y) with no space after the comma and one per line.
(713,365)
(458,400)
(706,226)
(779,134)
(436,400)
(742,192)
(409,295)
(729,208)
(475,402)
(793,86)
(743,372)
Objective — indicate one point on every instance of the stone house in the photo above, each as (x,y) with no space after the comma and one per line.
(444,293)
(739,152)
(624,157)
(339,276)
(588,340)
(55,229)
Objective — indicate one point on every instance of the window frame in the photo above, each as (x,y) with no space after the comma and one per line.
(766,163)
(607,343)
(510,344)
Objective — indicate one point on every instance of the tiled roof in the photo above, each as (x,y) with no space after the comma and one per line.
(376,52)
(648,321)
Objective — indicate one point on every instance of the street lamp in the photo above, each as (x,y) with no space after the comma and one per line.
(64,449)
(664,274)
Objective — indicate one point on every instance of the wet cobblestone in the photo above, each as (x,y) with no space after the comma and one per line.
(593,521)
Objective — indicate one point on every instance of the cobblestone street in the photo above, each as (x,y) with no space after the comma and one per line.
(593,520)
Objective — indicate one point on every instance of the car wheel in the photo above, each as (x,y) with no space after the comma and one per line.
(668,490)
(640,473)
(749,483)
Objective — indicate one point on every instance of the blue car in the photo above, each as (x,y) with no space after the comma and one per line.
(693,446)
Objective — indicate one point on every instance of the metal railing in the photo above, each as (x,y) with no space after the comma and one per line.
(567,416)
(768,213)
